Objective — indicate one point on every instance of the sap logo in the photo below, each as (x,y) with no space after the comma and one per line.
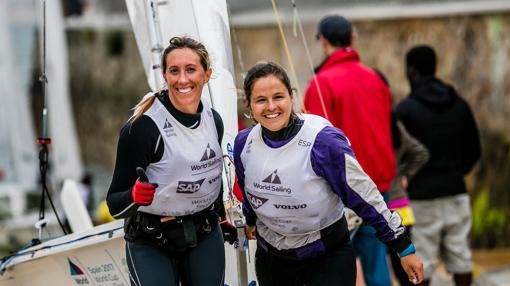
(304,143)
(184,187)
(256,202)
(290,207)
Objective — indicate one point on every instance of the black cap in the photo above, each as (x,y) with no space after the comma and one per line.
(336,29)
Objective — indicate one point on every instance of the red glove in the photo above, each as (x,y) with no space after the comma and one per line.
(143,193)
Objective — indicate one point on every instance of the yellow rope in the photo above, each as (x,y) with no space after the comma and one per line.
(297,21)
(287,52)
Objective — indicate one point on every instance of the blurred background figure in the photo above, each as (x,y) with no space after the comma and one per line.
(411,155)
(437,116)
(356,100)
(102,214)
(87,193)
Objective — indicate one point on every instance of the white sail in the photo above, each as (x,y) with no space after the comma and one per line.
(64,149)
(18,151)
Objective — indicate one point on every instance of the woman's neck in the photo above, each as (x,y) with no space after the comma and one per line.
(187,119)
(285,133)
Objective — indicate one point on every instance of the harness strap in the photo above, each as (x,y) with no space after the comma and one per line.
(332,237)
(190,232)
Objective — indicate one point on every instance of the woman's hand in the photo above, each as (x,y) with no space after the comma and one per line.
(413,267)
(249,231)
(404,182)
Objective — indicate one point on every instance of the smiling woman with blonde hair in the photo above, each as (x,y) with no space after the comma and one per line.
(168,156)
(296,173)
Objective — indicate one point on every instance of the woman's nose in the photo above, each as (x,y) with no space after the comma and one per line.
(271,104)
(183,78)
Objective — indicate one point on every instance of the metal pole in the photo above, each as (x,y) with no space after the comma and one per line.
(151,11)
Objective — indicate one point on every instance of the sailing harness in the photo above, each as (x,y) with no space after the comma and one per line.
(332,237)
(174,235)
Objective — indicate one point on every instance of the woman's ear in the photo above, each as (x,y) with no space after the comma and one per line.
(208,74)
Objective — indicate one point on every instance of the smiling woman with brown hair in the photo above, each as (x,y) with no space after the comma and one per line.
(297,172)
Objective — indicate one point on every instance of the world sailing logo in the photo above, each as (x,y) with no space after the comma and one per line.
(248,149)
(273,184)
(273,178)
(208,153)
(168,129)
(208,160)
(78,275)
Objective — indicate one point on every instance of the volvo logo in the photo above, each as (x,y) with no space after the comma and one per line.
(290,207)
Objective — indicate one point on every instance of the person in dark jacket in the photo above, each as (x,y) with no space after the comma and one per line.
(438,117)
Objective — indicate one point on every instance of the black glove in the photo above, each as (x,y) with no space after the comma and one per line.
(229,231)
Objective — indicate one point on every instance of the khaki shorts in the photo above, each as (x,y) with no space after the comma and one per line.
(442,230)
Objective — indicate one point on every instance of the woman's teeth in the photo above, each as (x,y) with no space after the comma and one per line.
(271,116)
(184,90)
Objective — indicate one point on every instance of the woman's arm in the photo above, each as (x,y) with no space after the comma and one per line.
(333,159)
(412,155)
(136,148)
(239,144)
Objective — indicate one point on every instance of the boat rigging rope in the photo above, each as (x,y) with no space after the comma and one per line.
(226,163)
(297,22)
(44,140)
(287,52)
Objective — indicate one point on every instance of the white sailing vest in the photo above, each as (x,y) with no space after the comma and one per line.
(292,203)
(189,173)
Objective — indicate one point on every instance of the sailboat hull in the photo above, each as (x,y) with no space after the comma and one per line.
(93,257)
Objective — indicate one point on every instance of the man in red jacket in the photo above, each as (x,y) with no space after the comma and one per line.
(356,100)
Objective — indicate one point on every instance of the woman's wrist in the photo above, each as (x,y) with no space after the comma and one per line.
(409,250)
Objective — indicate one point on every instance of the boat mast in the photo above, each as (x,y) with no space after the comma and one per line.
(154,32)
(44,140)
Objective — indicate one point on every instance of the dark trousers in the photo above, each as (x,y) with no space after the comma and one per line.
(201,265)
(336,268)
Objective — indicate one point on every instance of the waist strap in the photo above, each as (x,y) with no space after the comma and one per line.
(332,237)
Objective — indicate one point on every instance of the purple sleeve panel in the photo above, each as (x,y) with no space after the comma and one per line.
(328,157)
(239,144)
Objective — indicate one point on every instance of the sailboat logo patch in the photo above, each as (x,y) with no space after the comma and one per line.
(168,129)
(273,178)
(77,273)
(75,270)
(208,154)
